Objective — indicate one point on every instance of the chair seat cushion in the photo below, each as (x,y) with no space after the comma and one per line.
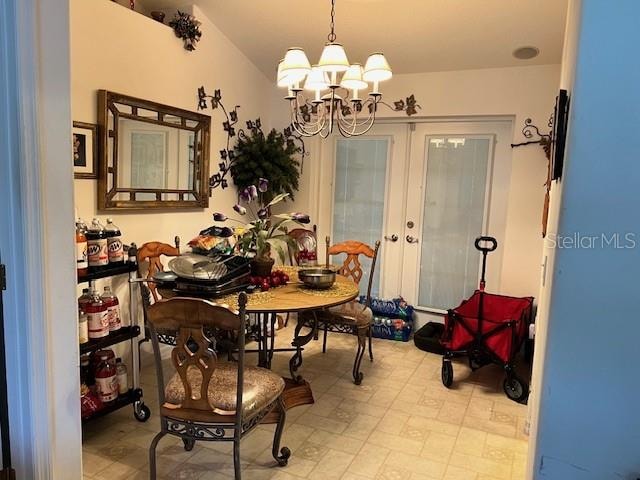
(261,387)
(352,313)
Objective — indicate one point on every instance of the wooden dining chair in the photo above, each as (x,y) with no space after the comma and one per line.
(352,317)
(208,400)
(306,245)
(150,255)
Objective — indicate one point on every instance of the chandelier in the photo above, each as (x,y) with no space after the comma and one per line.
(334,85)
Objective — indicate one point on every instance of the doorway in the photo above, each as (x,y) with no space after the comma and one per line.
(426,191)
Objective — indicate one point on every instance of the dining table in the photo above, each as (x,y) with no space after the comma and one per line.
(264,307)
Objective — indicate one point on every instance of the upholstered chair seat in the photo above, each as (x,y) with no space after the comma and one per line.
(354,313)
(261,387)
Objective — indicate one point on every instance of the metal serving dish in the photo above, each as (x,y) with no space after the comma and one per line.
(318,278)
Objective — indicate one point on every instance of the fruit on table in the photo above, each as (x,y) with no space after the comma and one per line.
(276,279)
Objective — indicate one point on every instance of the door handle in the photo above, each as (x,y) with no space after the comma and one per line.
(411,239)
(393,238)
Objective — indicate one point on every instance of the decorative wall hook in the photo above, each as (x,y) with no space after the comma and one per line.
(532,133)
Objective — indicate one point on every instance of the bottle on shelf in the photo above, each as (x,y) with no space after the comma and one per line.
(106,378)
(82,262)
(84,299)
(132,254)
(83,328)
(121,374)
(97,316)
(113,309)
(97,246)
(86,374)
(114,244)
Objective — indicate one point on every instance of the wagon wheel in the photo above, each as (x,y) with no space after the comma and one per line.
(447,373)
(515,388)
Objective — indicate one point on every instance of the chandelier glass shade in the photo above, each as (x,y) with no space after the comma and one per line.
(327,95)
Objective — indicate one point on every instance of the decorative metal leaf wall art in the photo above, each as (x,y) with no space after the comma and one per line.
(186,27)
(227,154)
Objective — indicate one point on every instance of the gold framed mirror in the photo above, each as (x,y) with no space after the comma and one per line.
(151,155)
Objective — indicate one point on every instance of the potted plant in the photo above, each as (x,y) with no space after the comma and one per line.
(262,232)
(266,156)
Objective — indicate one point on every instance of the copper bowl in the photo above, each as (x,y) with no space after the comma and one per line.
(318,278)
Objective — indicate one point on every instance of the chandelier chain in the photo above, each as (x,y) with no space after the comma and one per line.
(332,36)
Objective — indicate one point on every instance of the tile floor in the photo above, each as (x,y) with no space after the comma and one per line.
(401,423)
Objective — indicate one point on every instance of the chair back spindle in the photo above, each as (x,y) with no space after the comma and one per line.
(351,267)
(189,317)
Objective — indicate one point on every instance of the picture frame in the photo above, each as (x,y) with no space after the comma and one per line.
(559,134)
(84,153)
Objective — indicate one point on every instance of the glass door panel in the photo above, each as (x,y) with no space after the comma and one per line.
(359,195)
(454,209)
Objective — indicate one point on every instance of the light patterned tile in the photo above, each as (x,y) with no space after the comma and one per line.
(438,447)
(402,423)
(418,465)
(311,451)
(322,423)
(392,422)
(369,460)
(396,443)
(470,442)
(481,465)
(457,473)
(362,426)
(332,466)
(345,444)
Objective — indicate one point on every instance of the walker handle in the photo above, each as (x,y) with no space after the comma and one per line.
(491,240)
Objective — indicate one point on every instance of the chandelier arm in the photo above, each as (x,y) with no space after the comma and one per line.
(370,117)
(301,126)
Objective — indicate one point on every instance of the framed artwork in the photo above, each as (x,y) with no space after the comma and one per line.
(85,150)
(559,134)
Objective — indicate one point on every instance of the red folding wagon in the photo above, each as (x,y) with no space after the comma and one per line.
(488,328)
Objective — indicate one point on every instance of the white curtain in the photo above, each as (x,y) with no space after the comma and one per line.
(456,183)
(358,206)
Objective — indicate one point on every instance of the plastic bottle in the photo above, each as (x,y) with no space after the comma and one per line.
(86,375)
(106,379)
(97,245)
(83,328)
(133,254)
(84,300)
(113,309)
(114,244)
(82,262)
(98,316)
(121,374)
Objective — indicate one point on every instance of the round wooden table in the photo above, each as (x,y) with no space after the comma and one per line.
(292,298)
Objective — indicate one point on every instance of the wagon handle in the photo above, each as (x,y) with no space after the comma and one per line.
(491,240)
(493,245)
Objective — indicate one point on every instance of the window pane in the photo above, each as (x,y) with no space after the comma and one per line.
(453,217)
(358,206)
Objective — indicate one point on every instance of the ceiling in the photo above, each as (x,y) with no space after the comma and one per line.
(415,35)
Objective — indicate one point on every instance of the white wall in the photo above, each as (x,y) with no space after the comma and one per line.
(588,426)
(115,49)
(521,92)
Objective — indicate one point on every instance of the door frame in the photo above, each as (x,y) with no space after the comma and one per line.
(488,190)
(397,140)
(318,193)
(36,191)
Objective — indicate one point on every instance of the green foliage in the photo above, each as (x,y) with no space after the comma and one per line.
(266,156)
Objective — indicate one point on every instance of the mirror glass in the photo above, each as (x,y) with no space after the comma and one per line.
(154,156)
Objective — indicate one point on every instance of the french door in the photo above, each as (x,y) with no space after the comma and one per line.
(426,191)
